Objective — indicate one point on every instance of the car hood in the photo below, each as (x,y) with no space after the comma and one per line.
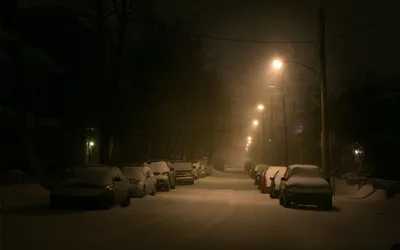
(312,182)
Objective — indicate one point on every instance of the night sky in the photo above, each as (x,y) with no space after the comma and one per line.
(362,36)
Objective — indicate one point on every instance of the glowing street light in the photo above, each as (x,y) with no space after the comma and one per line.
(91,143)
(277,64)
(260,107)
(249,138)
(255,123)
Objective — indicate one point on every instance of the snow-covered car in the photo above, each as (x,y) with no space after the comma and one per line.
(271,171)
(184,172)
(275,185)
(304,185)
(142,181)
(257,177)
(100,186)
(165,175)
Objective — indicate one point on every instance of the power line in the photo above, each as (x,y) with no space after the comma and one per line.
(365,27)
(255,41)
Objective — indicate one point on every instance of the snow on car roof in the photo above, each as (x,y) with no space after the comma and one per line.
(302,166)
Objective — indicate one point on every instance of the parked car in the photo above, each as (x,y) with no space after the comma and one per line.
(184,172)
(142,180)
(260,169)
(266,187)
(165,175)
(275,183)
(262,180)
(196,169)
(100,186)
(254,172)
(304,185)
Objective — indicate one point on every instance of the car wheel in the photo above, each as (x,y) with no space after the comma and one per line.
(286,203)
(327,205)
(154,191)
(107,201)
(192,183)
(127,202)
(144,192)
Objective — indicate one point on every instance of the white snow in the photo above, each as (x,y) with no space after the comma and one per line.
(378,196)
(271,173)
(22,195)
(342,188)
(365,191)
(312,182)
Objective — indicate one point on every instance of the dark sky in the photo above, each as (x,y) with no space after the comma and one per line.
(244,65)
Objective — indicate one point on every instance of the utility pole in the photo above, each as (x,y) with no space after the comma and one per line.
(284,122)
(324,125)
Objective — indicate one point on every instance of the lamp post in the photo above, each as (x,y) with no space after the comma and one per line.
(277,64)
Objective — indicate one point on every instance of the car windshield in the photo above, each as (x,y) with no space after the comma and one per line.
(306,172)
(92,175)
(182,166)
(158,167)
(133,172)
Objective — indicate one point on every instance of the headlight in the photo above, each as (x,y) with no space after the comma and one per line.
(110,187)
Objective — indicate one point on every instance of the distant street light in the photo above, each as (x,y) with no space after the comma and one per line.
(277,64)
(91,143)
(260,107)
(255,123)
(249,138)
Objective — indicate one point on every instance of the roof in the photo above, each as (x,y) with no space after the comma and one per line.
(302,166)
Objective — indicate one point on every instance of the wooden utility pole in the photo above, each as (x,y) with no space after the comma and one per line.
(324,125)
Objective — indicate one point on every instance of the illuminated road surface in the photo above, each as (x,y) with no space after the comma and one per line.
(220,212)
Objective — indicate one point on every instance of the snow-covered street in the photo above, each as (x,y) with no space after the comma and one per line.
(217,212)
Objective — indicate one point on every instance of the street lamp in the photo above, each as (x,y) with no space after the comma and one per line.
(255,123)
(260,107)
(249,138)
(91,143)
(277,64)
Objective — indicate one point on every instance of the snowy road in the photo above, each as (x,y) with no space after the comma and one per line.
(215,213)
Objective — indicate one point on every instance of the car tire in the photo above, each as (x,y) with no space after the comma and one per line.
(192,183)
(107,201)
(326,205)
(144,192)
(284,202)
(127,202)
(154,191)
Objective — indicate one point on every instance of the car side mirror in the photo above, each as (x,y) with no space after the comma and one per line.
(116,179)
(283,179)
(271,178)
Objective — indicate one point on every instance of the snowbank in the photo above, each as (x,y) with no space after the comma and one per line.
(342,188)
(22,195)
(365,191)
(378,195)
